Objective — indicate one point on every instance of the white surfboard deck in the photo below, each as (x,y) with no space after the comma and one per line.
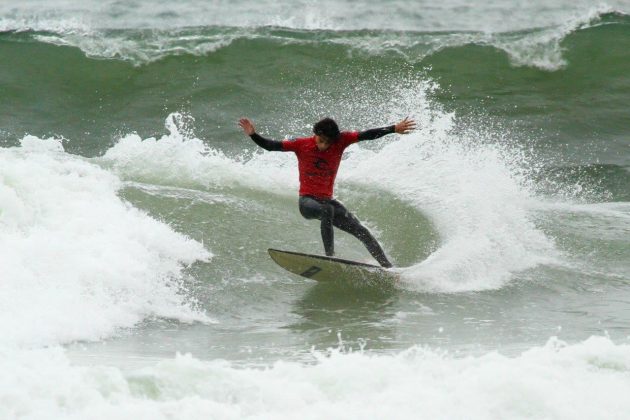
(331,269)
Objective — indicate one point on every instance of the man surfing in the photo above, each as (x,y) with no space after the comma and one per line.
(319,157)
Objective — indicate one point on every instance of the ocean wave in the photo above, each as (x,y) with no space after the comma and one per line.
(541,47)
(78,263)
(474,189)
(584,380)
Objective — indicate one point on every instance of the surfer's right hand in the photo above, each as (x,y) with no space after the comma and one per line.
(405,126)
(247,126)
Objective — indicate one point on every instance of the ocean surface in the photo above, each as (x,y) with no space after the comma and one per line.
(135,215)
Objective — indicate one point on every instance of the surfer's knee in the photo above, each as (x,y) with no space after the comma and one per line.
(353,225)
(328,211)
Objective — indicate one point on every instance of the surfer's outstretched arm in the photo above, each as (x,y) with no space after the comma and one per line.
(403,127)
(267,144)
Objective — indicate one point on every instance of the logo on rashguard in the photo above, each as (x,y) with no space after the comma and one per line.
(321,164)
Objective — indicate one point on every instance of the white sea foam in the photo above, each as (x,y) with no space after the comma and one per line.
(76,261)
(586,380)
(475,191)
(531,34)
(180,159)
(451,15)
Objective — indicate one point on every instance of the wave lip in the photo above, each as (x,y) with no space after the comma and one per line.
(475,189)
(539,46)
(78,262)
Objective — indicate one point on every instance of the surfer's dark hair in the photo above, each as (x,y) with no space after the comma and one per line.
(327,128)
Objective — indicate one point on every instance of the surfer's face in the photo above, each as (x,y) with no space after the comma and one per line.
(322,142)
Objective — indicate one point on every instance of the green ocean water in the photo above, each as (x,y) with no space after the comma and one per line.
(90,100)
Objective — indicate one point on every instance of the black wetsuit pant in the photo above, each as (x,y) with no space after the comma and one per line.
(332,213)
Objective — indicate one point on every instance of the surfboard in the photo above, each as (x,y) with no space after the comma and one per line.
(331,269)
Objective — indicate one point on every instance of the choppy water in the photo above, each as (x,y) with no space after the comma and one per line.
(135,216)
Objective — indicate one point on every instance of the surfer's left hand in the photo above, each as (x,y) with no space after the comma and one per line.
(405,126)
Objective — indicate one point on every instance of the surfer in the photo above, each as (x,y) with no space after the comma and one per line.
(319,157)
